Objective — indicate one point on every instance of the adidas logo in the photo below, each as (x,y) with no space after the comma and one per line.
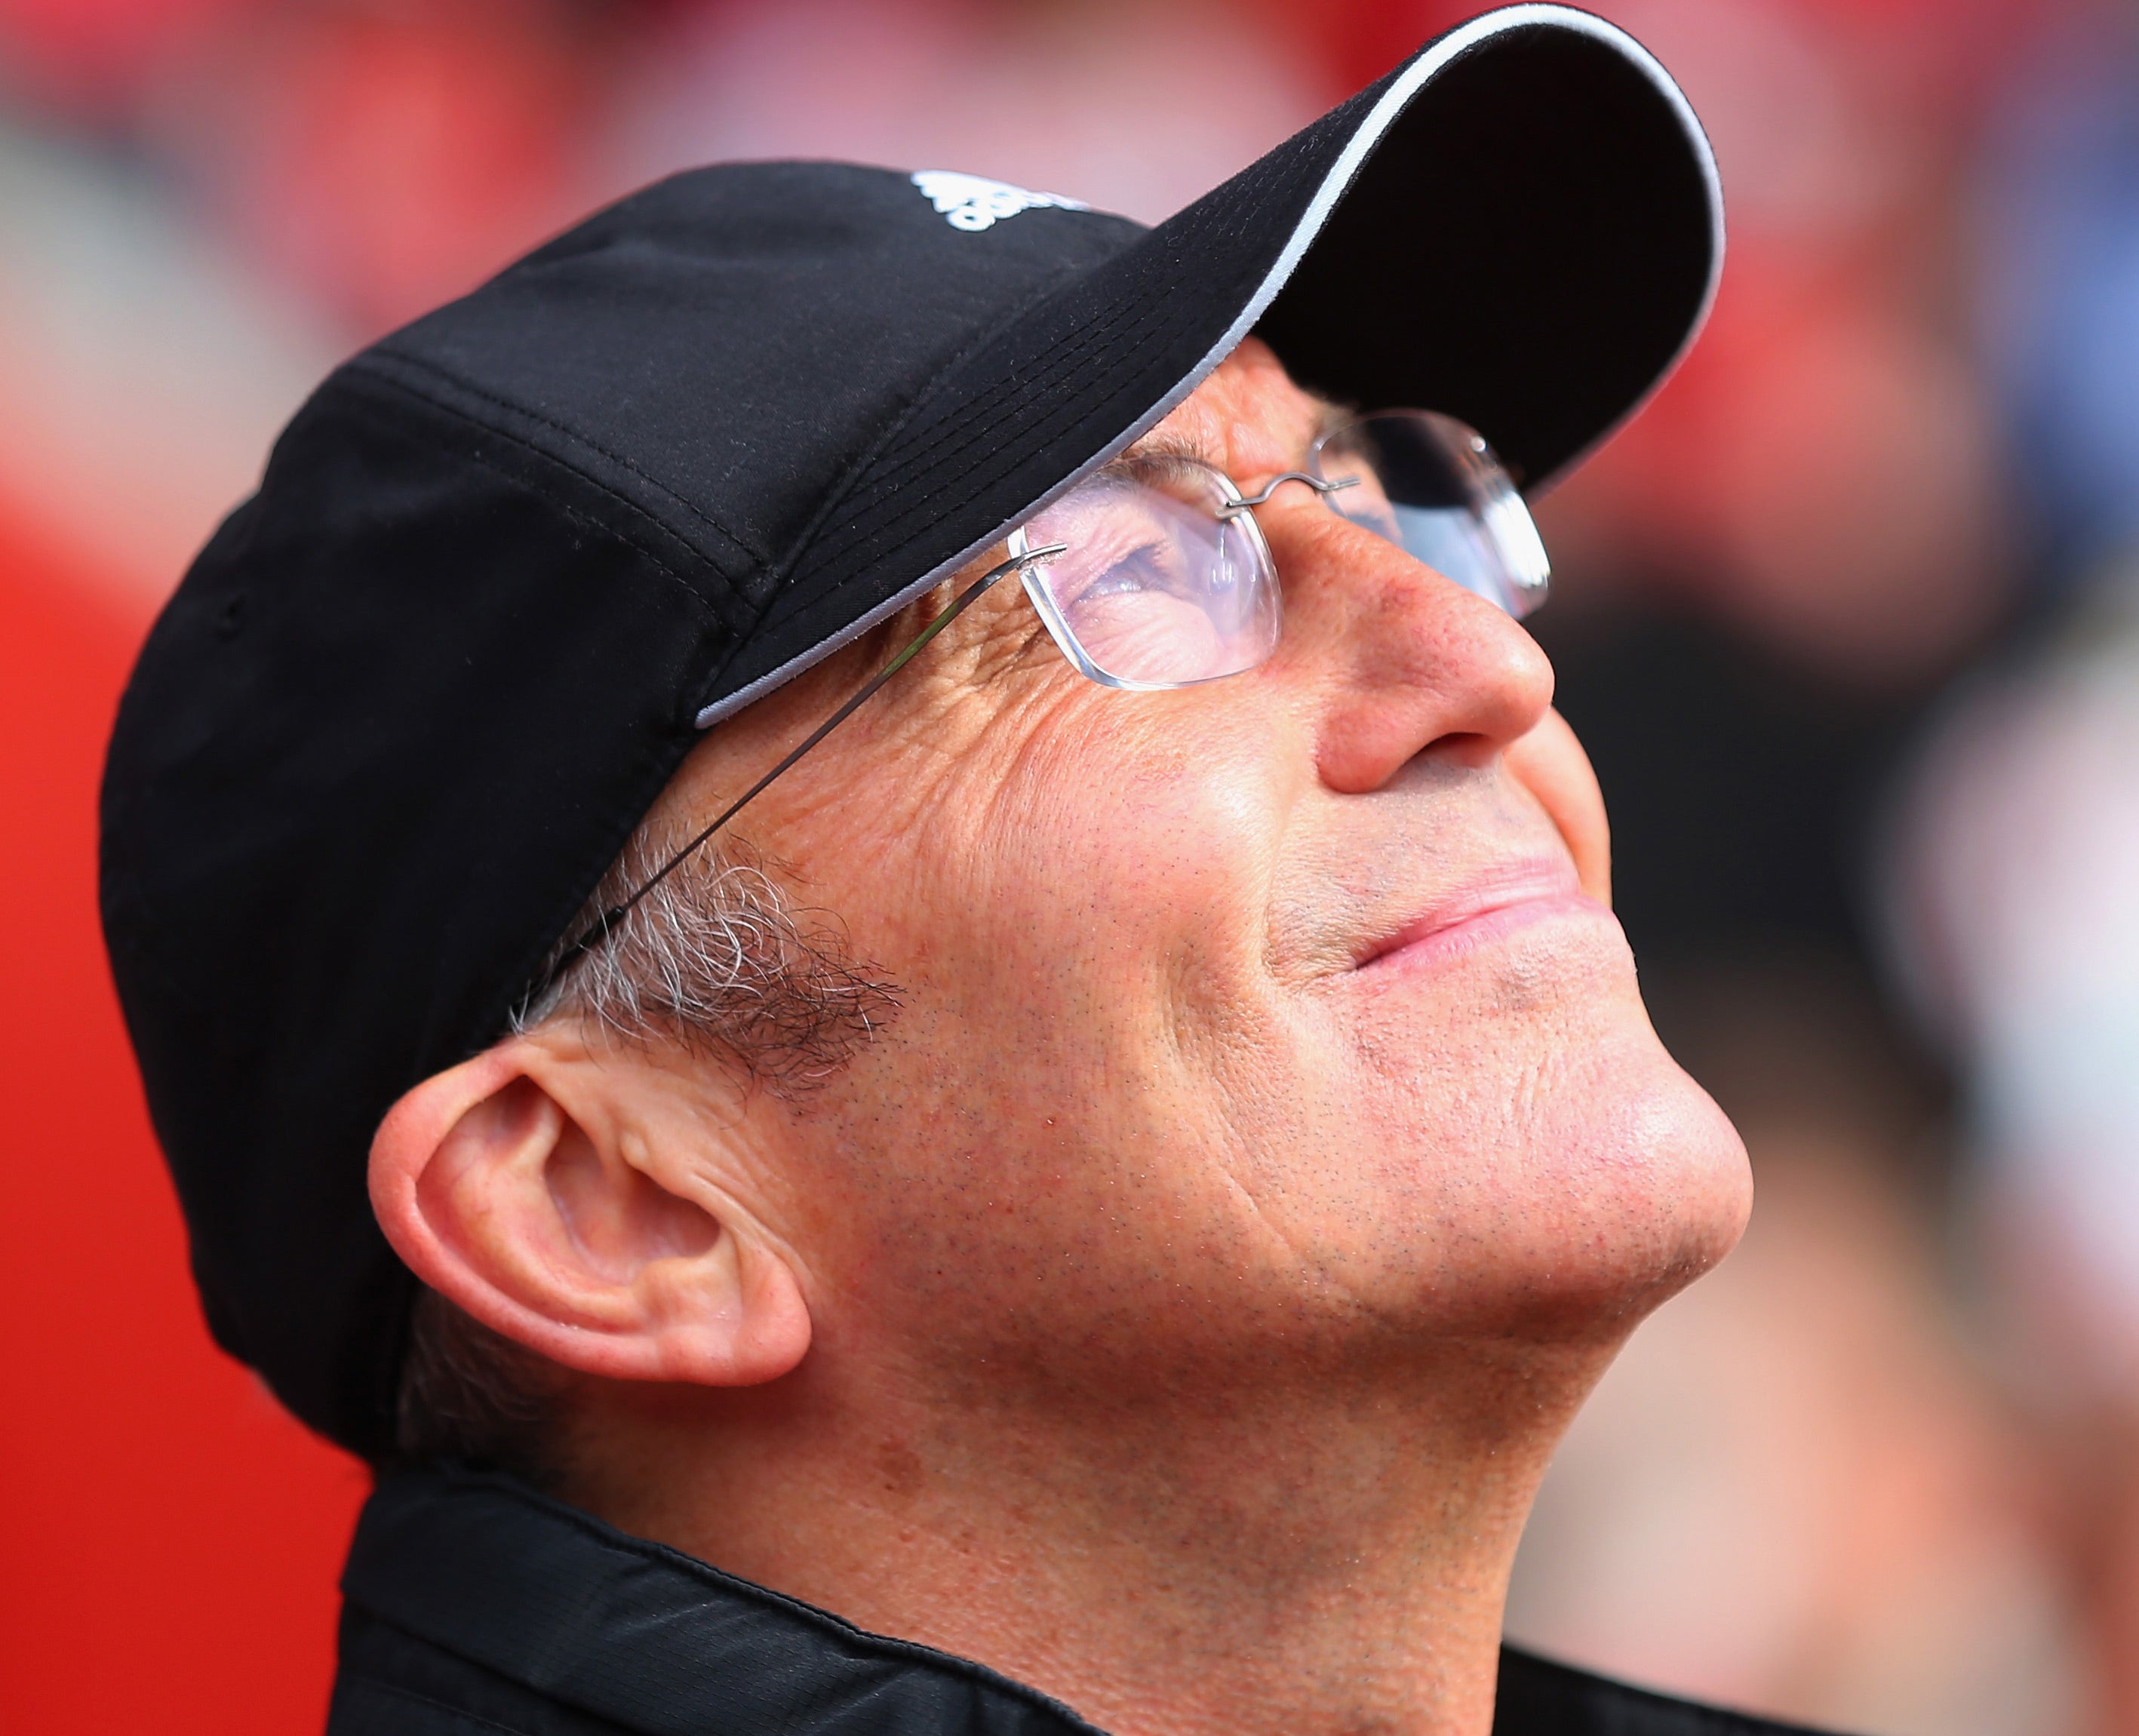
(974,202)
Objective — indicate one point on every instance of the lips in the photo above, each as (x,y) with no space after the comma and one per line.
(1494,904)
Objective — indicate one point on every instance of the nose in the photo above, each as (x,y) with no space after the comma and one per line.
(1404,659)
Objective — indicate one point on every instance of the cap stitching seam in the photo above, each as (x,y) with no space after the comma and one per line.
(1055,361)
(369,364)
(1064,353)
(1057,357)
(753,556)
(1065,350)
(576,515)
(856,470)
(946,456)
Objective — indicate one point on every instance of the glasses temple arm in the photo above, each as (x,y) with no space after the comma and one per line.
(606,923)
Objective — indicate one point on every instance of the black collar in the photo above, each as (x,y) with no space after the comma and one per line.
(477,1569)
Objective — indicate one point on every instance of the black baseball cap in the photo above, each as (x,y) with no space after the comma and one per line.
(507,564)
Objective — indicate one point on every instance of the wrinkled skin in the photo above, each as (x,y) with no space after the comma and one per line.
(1176,1305)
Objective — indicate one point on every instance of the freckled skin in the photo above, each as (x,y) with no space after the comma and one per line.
(1191,1314)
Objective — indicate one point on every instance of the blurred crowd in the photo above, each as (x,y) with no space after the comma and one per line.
(1848,618)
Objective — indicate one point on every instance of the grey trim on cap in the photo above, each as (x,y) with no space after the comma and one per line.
(1394,101)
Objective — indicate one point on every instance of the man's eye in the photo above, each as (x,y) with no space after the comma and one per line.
(1152,567)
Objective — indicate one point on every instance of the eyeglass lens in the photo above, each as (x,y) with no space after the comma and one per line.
(1432,486)
(1166,582)
(1156,588)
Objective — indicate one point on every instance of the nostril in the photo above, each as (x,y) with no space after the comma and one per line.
(1467,746)
(1430,670)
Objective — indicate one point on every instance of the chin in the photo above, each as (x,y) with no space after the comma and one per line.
(1635,1185)
(1566,1174)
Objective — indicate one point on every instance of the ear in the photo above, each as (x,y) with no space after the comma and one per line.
(550,1224)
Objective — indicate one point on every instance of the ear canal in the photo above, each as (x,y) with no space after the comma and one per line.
(619,1217)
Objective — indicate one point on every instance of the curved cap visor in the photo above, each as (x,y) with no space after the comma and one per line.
(416,694)
(1521,228)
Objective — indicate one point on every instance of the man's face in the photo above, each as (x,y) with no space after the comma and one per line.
(1274,1017)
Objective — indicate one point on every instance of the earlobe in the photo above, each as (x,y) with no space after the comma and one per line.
(508,1186)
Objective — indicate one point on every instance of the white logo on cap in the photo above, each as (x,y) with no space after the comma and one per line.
(975,202)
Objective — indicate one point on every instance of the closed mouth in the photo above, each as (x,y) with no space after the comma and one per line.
(1494,904)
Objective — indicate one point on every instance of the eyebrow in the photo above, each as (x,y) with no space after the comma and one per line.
(1169,444)
(1158,445)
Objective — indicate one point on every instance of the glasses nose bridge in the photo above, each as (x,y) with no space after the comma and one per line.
(1243,503)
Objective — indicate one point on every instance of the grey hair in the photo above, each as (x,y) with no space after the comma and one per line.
(469,1393)
(716,954)
(715,958)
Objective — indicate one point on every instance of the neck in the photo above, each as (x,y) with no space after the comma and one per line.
(1317,1556)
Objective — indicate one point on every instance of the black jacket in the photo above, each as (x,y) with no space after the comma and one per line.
(477,1607)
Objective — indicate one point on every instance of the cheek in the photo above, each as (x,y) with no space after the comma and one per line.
(1551,763)
(1121,860)
(1076,945)
(1099,1106)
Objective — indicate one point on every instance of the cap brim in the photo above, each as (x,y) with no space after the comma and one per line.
(1521,227)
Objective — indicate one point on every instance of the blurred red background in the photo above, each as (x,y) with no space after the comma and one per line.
(171,1535)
